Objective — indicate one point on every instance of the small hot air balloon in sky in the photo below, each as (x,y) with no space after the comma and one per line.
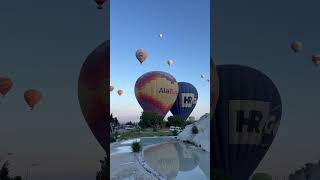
(246,120)
(111,88)
(100,3)
(296,46)
(186,100)
(92,94)
(32,97)
(141,55)
(161,35)
(5,86)
(202,76)
(170,62)
(316,59)
(120,92)
(208,80)
(261,176)
(156,91)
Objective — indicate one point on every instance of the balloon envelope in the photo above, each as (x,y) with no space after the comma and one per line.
(156,92)
(170,62)
(5,85)
(186,100)
(261,176)
(111,88)
(120,92)
(246,121)
(93,97)
(141,55)
(32,97)
(296,46)
(316,59)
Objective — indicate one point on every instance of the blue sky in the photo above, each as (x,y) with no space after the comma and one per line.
(185,25)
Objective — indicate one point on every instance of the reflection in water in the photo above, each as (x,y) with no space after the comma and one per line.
(178,161)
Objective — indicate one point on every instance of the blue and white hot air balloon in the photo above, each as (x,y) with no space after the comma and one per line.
(246,120)
(186,100)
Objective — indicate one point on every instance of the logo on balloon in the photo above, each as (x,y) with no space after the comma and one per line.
(249,121)
(168,91)
(187,100)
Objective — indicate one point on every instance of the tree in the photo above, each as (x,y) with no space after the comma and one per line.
(129,123)
(149,119)
(175,121)
(4,171)
(103,173)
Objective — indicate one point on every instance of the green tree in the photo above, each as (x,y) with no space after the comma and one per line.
(175,121)
(129,123)
(149,119)
(104,171)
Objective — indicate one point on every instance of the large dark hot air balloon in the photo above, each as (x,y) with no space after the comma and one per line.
(93,97)
(246,120)
(186,100)
(32,97)
(156,92)
(5,85)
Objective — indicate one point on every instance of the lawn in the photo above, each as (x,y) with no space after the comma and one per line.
(144,133)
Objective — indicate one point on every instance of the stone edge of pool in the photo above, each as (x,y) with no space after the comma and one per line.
(144,164)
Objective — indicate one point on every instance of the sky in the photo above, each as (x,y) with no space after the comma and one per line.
(185,25)
(43,46)
(259,34)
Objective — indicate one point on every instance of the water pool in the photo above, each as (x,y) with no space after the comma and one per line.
(179,161)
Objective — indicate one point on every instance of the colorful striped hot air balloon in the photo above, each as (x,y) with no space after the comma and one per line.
(5,85)
(156,92)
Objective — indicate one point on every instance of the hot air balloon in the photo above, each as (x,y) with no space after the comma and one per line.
(32,97)
(296,46)
(208,80)
(100,3)
(141,55)
(120,92)
(160,35)
(246,120)
(186,100)
(156,92)
(92,94)
(170,62)
(202,76)
(214,87)
(111,88)
(261,176)
(5,85)
(316,59)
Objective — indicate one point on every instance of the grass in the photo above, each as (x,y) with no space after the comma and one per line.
(144,133)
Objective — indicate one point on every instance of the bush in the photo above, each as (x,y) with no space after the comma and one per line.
(136,147)
(113,139)
(175,133)
(194,130)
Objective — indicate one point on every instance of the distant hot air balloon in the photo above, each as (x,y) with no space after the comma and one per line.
(5,85)
(120,92)
(316,59)
(141,55)
(296,46)
(208,80)
(170,62)
(156,92)
(100,3)
(111,88)
(202,76)
(186,100)
(261,176)
(32,97)
(160,35)
(92,94)
(246,120)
